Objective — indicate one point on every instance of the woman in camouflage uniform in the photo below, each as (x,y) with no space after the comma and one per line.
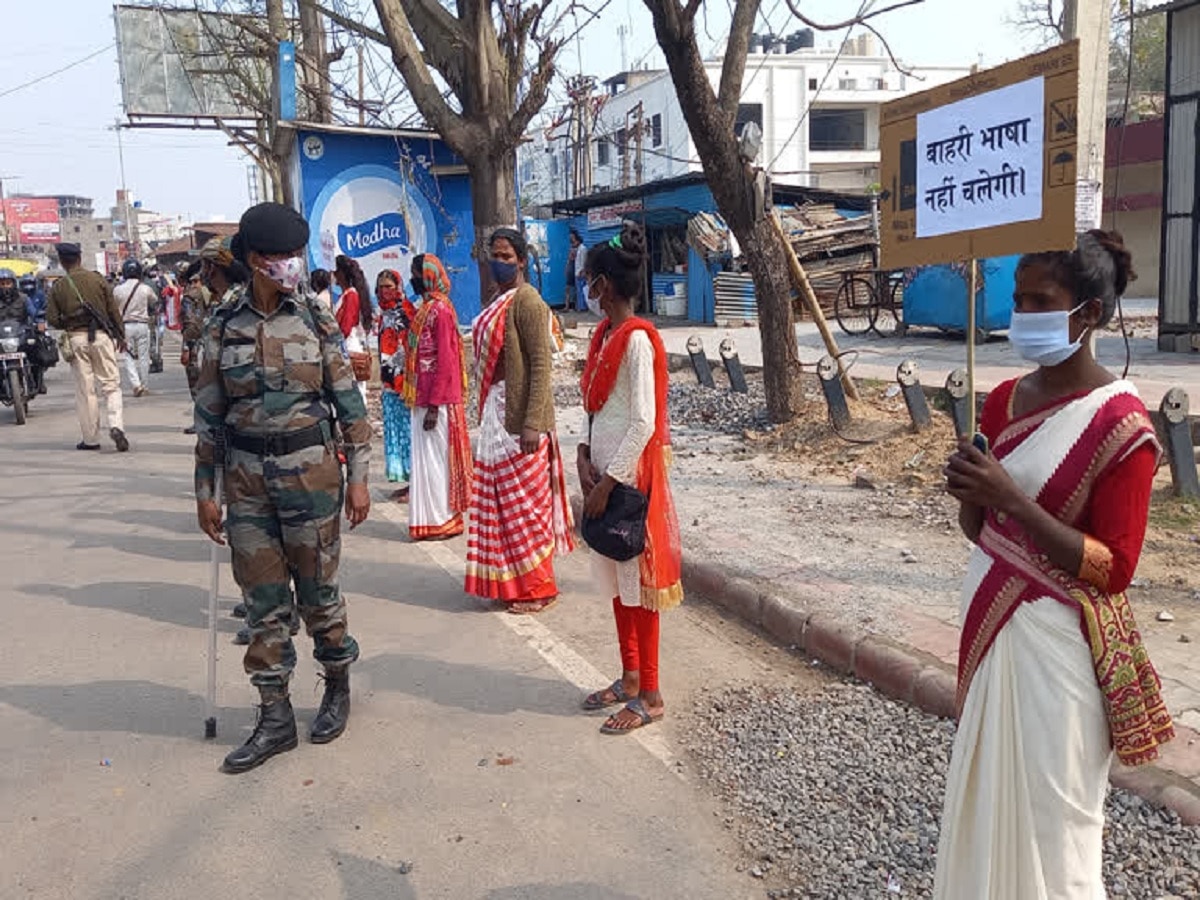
(273,383)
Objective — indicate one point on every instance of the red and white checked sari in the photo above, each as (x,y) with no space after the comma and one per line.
(519,510)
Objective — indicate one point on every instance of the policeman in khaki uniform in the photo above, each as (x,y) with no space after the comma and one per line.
(81,303)
(274,378)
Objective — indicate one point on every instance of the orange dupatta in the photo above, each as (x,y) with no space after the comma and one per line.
(661,563)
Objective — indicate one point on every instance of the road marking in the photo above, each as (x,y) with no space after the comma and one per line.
(569,664)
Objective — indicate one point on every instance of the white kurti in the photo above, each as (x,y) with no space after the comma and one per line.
(620,432)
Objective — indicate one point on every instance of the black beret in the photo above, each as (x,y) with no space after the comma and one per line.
(270,228)
(67,249)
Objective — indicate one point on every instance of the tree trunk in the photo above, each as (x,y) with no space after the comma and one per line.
(766,258)
(493,205)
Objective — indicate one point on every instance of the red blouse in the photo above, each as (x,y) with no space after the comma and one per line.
(1114,520)
(348,312)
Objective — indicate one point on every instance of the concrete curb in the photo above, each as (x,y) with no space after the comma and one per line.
(893,669)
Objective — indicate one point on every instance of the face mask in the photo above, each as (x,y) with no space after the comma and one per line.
(418,285)
(593,303)
(287,273)
(504,272)
(1044,338)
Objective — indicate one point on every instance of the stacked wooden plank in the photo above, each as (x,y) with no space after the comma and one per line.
(828,244)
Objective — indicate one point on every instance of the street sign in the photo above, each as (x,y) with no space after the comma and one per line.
(983,166)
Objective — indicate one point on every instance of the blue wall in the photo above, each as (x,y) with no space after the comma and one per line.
(358,203)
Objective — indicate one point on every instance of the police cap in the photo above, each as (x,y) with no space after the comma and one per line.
(68,249)
(270,228)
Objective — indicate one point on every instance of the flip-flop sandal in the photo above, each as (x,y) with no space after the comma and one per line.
(638,708)
(596,701)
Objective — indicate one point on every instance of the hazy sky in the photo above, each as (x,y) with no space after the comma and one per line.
(56,136)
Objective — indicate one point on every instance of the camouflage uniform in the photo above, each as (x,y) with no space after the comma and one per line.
(271,377)
(198,304)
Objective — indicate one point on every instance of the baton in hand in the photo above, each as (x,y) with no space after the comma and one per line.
(214,590)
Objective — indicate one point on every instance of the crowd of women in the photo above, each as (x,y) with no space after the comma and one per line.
(1054,681)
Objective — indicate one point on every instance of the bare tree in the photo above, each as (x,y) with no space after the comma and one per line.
(1044,19)
(735,185)
(478,73)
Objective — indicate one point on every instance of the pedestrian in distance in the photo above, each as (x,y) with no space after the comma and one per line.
(520,516)
(396,315)
(320,281)
(1053,676)
(353,309)
(219,274)
(137,301)
(624,388)
(572,292)
(276,391)
(81,304)
(435,385)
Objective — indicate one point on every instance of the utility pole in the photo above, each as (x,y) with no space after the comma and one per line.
(639,132)
(362,109)
(4,215)
(130,227)
(622,33)
(312,39)
(1091,22)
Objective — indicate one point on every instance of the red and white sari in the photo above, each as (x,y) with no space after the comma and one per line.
(519,508)
(1053,676)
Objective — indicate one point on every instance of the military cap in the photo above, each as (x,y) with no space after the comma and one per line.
(68,249)
(270,228)
(217,251)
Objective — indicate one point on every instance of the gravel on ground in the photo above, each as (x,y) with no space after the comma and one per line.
(839,794)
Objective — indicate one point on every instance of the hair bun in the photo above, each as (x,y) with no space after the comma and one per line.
(1114,244)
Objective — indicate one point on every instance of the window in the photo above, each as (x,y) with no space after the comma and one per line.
(748,112)
(77,229)
(837,129)
(656,135)
(603,152)
(813,85)
(621,140)
(880,84)
(103,244)
(554,165)
(847,84)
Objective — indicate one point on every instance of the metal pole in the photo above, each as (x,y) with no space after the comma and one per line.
(972,286)
(362,109)
(129,230)
(3,216)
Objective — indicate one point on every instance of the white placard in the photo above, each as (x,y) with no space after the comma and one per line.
(979,161)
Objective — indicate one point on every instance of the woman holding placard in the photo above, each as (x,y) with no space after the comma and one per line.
(1053,676)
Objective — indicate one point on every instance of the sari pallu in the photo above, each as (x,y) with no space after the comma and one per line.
(661,563)
(520,515)
(1045,695)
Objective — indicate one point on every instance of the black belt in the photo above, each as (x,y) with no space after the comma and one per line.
(279,444)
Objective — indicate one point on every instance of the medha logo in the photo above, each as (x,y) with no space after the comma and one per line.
(365,238)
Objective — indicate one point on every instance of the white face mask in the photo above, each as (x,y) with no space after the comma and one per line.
(593,303)
(1044,338)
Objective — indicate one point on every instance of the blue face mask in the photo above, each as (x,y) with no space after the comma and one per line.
(504,272)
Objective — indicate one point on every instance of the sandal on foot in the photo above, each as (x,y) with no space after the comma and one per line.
(599,700)
(638,708)
(532,608)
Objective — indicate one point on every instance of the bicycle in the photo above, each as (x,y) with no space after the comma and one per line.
(871,301)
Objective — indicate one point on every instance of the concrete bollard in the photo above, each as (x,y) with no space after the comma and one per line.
(733,367)
(1180,453)
(908,375)
(957,393)
(700,364)
(830,375)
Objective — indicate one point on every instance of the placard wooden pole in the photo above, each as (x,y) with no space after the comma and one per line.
(972,286)
(808,295)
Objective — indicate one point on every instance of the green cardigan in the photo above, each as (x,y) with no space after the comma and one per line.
(529,398)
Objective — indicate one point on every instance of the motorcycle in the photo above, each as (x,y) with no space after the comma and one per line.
(17,384)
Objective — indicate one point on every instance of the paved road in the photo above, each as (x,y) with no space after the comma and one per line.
(104,593)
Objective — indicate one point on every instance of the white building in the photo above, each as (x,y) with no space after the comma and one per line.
(818,110)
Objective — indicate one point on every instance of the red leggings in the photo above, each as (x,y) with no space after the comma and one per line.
(637,631)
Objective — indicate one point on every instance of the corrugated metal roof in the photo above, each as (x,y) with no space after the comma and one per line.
(1184,74)
(1181,155)
(1177,279)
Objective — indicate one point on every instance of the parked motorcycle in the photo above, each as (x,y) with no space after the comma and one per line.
(17,384)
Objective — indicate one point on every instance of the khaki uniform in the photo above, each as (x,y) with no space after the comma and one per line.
(276,386)
(95,351)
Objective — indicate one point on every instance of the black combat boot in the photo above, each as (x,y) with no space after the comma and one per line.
(274,733)
(335,707)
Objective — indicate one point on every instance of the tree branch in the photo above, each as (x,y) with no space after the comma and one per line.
(857,20)
(456,130)
(733,69)
(352,26)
